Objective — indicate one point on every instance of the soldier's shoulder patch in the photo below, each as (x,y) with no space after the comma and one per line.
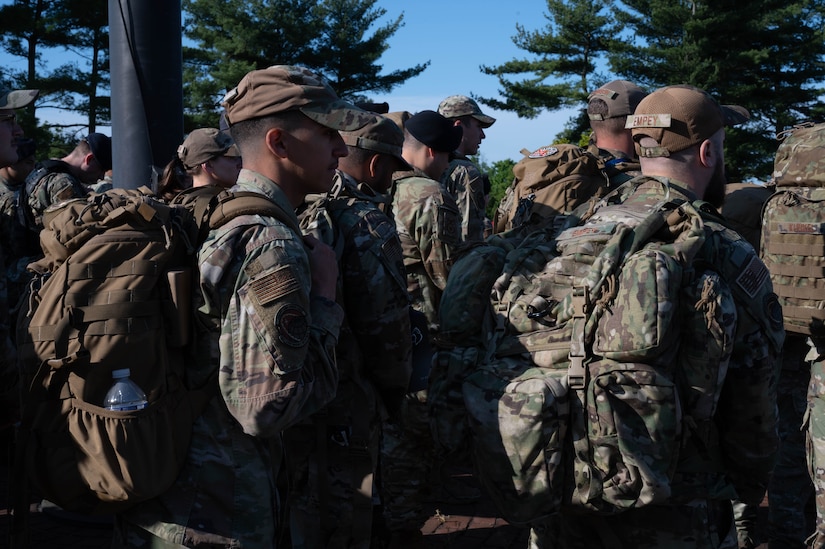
(274,285)
(542,152)
(752,276)
(774,311)
(292,326)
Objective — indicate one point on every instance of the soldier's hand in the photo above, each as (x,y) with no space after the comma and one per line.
(324,267)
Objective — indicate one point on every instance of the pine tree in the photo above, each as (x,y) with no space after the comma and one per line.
(568,52)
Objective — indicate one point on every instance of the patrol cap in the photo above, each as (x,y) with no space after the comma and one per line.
(678,117)
(205,144)
(434,130)
(621,97)
(101,146)
(283,88)
(461,105)
(399,117)
(380,135)
(16,99)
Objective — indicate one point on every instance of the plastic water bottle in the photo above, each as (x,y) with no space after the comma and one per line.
(125,395)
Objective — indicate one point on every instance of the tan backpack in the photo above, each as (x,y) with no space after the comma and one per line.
(114,291)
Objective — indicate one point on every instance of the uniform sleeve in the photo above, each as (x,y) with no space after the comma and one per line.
(437,235)
(747,415)
(277,343)
(464,183)
(377,304)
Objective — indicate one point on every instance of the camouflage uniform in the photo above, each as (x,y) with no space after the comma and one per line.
(331,489)
(739,464)
(790,485)
(815,428)
(49,184)
(428,225)
(463,181)
(273,345)
(21,245)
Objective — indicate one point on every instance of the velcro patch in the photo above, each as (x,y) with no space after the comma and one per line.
(543,151)
(800,228)
(752,277)
(292,326)
(648,121)
(274,285)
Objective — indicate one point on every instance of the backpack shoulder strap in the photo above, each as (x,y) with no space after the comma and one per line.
(227,205)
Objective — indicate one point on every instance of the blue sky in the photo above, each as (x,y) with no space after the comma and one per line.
(456,36)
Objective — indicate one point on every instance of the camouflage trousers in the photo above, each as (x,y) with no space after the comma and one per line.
(330,471)
(700,524)
(407,458)
(790,487)
(815,421)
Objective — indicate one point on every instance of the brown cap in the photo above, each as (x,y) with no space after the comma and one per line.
(678,117)
(282,88)
(205,144)
(461,105)
(621,96)
(399,117)
(16,99)
(381,135)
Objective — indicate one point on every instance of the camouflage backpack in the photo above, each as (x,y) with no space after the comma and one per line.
(554,180)
(586,399)
(113,291)
(793,229)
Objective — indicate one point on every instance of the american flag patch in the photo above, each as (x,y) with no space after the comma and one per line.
(752,277)
(274,285)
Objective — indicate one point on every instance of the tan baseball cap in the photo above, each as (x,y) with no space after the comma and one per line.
(16,99)
(204,144)
(678,117)
(282,88)
(380,135)
(621,96)
(461,105)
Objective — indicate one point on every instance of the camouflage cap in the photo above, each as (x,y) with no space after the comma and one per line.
(16,99)
(461,105)
(621,97)
(678,117)
(282,88)
(381,135)
(204,144)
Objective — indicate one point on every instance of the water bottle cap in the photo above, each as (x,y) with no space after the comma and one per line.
(117,374)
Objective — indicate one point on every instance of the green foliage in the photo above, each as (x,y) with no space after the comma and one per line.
(501,176)
(566,53)
(232,37)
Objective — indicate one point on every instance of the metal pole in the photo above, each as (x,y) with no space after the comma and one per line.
(147,88)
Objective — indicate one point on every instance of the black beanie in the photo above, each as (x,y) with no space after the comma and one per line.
(101,146)
(435,131)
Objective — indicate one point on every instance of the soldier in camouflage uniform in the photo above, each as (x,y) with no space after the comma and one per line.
(790,488)
(463,180)
(815,427)
(267,297)
(428,224)
(69,177)
(679,133)
(10,134)
(21,246)
(607,109)
(331,499)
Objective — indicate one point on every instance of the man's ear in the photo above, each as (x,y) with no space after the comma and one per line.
(707,154)
(276,142)
(373,167)
(88,159)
